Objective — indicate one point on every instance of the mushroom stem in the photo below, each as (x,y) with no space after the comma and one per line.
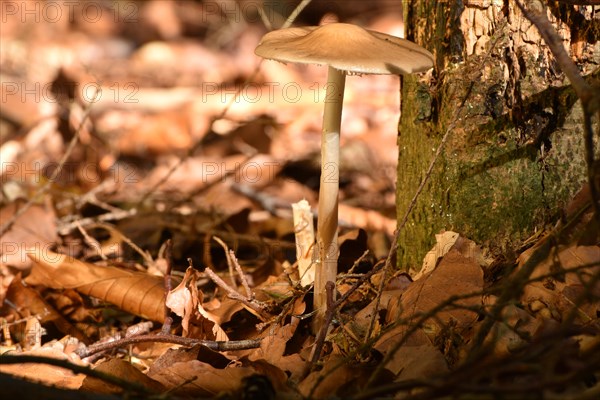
(328,192)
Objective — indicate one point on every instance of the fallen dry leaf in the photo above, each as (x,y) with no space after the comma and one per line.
(183,300)
(195,378)
(163,133)
(47,374)
(445,242)
(273,346)
(134,292)
(338,377)
(186,301)
(417,362)
(122,369)
(224,310)
(565,291)
(26,302)
(361,321)
(512,331)
(455,275)
(35,228)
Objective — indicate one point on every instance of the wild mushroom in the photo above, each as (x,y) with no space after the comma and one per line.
(345,49)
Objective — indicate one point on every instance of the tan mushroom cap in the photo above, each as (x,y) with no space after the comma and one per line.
(347,48)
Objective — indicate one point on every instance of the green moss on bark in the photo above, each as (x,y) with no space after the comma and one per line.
(509,166)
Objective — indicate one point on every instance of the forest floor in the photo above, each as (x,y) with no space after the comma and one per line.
(149,161)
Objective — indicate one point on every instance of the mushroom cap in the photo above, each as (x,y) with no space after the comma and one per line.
(345,47)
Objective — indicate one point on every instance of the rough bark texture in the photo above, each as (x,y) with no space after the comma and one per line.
(515,155)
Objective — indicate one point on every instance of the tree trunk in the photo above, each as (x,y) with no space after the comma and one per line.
(516,152)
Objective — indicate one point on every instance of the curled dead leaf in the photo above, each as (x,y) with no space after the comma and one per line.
(134,292)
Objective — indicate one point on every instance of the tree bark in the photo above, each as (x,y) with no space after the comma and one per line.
(516,153)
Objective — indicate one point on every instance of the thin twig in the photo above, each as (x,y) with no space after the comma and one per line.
(162,338)
(359,282)
(233,294)
(264,18)
(233,263)
(238,268)
(294,14)
(227,258)
(114,231)
(66,227)
(92,242)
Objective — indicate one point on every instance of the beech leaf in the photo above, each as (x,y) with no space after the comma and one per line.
(131,291)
